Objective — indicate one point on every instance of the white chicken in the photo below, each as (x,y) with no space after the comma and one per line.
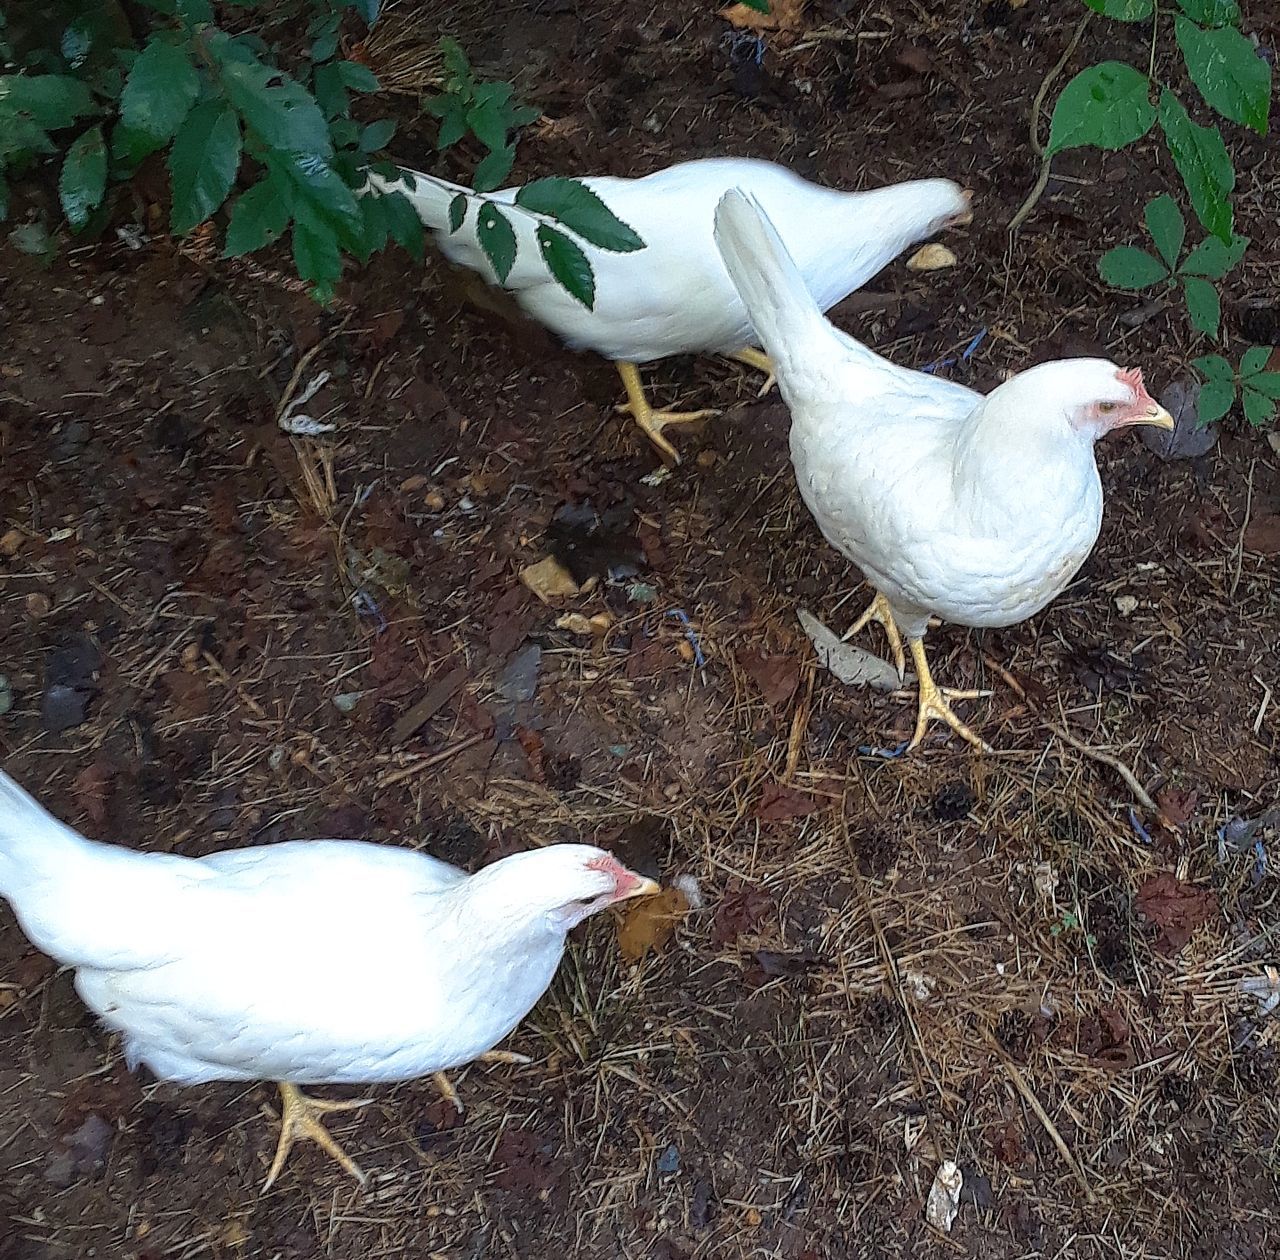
(307,962)
(975,509)
(673,296)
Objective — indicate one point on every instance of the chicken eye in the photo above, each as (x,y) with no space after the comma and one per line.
(586,901)
(1107,407)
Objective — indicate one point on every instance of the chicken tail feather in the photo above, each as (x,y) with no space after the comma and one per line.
(81,902)
(786,317)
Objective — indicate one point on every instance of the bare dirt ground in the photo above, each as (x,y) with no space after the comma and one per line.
(210,632)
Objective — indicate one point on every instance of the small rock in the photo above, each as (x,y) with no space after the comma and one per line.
(63,707)
(519,681)
(346,701)
(669,1160)
(1188,439)
(82,1154)
(6,695)
(1126,605)
(11,543)
(549,579)
(38,605)
(931,258)
(433,500)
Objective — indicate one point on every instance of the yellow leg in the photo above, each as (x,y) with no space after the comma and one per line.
(933,702)
(503,1056)
(300,1118)
(761,362)
(447,1091)
(881,612)
(650,421)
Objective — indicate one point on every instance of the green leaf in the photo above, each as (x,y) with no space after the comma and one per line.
(455,60)
(497,240)
(760,6)
(1216,398)
(1258,408)
(259,216)
(368,9)
(1128,268)
(1254,360)
(1212,12)
(1266,383)
(318,184)
(1204,164)
(34,239)
(162,86)
(1203,305)
(52,100)
(457,211)
(282,112)
(84,177)
(1167,227)
(488,123)
(331,92)
(316,254)
(4,196)
(344,131)
(357,77)
(568,264)
(492,169)
(579,209)
(377,135)
(324,48)
(1226,68)
(130,146)
(452,128)
(195,12)
(1213,367)
(1214,259)
(403,223)
(1105,106)
(373,211)
(203,163)
(1123,10)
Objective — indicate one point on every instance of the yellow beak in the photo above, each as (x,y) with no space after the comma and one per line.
(645,888)
(1158,417)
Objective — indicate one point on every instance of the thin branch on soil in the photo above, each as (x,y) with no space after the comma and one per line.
(1020,1084)
(1095,754)
(1244,525)
(1042,180)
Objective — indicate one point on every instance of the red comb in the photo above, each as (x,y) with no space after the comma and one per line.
(1133,378)
(623,879)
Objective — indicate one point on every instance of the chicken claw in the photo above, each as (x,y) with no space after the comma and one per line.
(881,612)
(933,703)
(300,1118)
(761,362)
(652,422)
(445,1085)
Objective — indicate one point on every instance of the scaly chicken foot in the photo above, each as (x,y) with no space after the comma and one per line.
(300,1118)
(933,703)
(445,1085)
(881,612)
(761,362)
(652,421)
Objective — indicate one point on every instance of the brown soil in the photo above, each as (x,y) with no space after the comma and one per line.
(874,985)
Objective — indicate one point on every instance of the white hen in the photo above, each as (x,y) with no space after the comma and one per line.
(307,962)
(673,296)
(978,510)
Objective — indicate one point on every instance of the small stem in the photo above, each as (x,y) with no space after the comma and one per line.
(1038,103)
(1155,30)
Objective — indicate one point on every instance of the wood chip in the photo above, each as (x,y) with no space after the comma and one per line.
(436,698)
(931,258)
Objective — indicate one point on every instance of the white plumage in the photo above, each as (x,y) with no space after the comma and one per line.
(321,961)
(674,296)
(975,509)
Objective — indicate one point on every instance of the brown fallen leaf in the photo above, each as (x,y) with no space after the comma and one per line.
(778,803)
(648,923)
(783,15)
(90,788)
(1263,536)
(1177,909)
(777,675)
(1177,808)
(739,913)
